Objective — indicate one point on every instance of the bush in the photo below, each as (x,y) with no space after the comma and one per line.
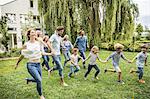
(14,52)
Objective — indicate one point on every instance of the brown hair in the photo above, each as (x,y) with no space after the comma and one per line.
(59,28)
(28,32)
(75,50)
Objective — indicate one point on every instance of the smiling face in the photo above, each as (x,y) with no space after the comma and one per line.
(31,34)
(60,33)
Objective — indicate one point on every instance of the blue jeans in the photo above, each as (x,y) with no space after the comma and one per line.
(77,68)
(82,54)
(46,61)
(59,67)
(67,57)
(35,71)
(140,72)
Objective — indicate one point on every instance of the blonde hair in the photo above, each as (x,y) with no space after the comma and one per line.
(95,49)
(144,46)
(66,37)
(118,46)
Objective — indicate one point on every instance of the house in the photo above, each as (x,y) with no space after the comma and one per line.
(19,13)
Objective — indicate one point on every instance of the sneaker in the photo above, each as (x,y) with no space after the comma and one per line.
(121,82)
(141,81)
(27,80)
(85,78)
(64,84)
(50,71)
(96,78)
(105,70)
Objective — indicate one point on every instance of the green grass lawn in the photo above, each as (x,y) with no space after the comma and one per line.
(13,85)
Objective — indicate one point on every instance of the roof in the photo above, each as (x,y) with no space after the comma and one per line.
(4,2)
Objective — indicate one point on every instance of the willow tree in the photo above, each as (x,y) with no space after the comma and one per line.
(117,24)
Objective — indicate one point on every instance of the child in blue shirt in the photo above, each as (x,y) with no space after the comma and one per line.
(115,56)
(66,46)
(141,60)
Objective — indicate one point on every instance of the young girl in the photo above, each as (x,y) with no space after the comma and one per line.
(92,64)
(115,56)
(74,62)
(141,59)
(34,51)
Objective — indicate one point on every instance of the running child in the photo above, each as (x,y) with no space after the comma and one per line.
(115,56)
(67,45)
(74,62)
(92,64)
(141,60)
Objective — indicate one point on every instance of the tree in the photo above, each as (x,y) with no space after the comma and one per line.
(139,28)
(3,32)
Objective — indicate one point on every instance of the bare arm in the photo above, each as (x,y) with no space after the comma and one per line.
(100,59)
(19,60)
(87,57)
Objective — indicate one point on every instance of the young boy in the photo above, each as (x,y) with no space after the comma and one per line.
(141,60)
(92,64)
(115,56)
(67,45)
(74,62)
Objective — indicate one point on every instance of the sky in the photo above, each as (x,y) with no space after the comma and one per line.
(144,10)
(143,5)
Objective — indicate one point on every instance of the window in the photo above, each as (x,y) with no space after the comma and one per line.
(31,3)
(11,17)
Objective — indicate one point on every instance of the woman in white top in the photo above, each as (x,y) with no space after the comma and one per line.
(33,50)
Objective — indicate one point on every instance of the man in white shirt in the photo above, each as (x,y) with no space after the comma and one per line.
(55,42)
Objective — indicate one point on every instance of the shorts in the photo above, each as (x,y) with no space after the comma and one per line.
(117,69)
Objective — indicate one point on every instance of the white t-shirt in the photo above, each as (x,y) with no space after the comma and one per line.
(33,50)
(56,40)
(93,58)
(74,58)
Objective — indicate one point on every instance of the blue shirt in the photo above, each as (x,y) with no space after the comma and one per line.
(116,58)
(81,43)
(141,57)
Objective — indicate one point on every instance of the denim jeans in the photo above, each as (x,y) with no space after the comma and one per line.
(35,71)
(67,57)
(140,72)
(59,67)
(82,54)
(46,61)
(90,68)
(77,68)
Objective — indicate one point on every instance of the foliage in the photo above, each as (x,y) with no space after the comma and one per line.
(14,52)
(3,32)
(102,20)
(13,85)
(139,28)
